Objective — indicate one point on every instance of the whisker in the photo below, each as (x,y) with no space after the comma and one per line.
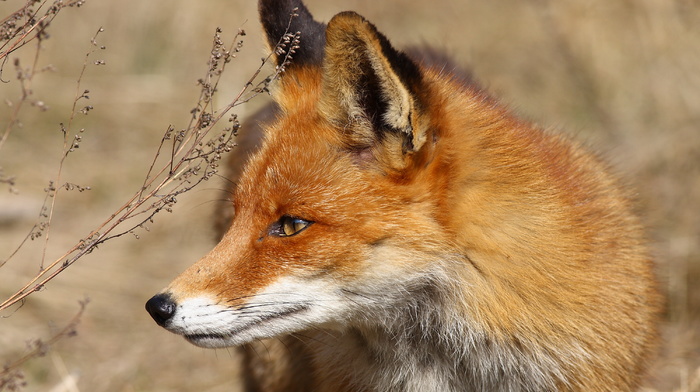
(225,178)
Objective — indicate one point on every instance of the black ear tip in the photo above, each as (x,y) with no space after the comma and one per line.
(272,8)
(280,17)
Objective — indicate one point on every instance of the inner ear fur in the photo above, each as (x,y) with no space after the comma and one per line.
(371,90)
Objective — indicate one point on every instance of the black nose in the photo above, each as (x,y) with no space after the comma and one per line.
(161,307)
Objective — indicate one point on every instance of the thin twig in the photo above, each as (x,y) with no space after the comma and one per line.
(193,160)
(40,347)
(66,148)
(23,36)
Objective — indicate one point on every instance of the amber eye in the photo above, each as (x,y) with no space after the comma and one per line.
(288,226)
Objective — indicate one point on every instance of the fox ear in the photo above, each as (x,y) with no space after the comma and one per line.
(371,91)
(286,20)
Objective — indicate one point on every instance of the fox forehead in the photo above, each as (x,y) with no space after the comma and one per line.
(299,169)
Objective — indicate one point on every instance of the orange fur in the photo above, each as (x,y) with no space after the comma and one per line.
(448,244)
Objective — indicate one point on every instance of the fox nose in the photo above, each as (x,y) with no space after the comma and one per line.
(161,307)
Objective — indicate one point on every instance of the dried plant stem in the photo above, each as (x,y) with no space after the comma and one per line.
(79,94)
(193,158)
(40,347)
(26,80)
(33,28)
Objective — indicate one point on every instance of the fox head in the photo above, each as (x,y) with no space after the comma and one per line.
(333,211)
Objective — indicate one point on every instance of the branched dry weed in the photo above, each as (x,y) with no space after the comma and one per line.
(193,157)
(11,375)
(25,77)
(184,158)
(29,23)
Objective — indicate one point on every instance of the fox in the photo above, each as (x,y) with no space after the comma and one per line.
(399,229)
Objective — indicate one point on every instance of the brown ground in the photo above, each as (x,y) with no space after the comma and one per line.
(623,75)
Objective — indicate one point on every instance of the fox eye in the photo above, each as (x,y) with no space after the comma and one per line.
(288,226)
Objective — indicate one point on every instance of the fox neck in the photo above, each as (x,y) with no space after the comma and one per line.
(417,346)
(401,350)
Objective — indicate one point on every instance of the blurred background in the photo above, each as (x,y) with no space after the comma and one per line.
(623,76)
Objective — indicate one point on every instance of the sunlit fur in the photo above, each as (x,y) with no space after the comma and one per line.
(453,246)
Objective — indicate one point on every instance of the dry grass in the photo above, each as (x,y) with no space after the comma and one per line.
(623,75)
